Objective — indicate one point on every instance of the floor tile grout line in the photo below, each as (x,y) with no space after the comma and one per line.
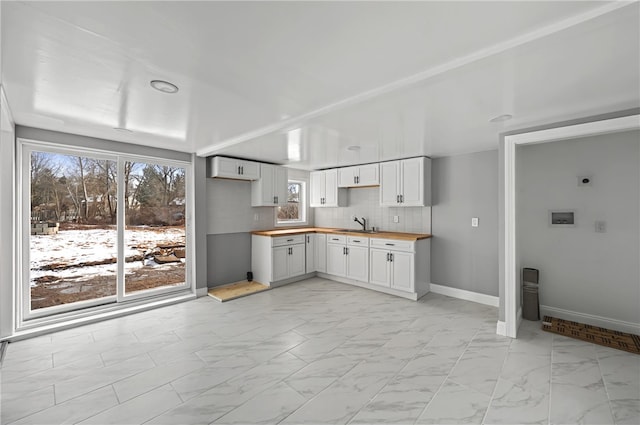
(445,379)
(495,388)
(606,387)
(387,383)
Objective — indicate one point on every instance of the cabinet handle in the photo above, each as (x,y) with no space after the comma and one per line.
(289,240)
(390,244)
(354,179)
(347,251)
(242,169)
(238,169)
(397,199)
(388,256)
(401,199)
(391,257)
(355,241)
(357,179)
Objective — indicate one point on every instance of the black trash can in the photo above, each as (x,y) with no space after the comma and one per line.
(530,301)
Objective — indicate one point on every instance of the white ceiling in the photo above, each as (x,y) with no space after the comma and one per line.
(395,79)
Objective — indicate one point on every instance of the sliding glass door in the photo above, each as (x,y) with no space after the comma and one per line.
(155,233)
(100,228)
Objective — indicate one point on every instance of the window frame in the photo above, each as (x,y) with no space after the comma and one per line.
(303,207)
(26,318)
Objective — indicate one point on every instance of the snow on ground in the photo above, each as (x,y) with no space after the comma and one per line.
(79,246)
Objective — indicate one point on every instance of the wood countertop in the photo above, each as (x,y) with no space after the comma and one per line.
(328,230)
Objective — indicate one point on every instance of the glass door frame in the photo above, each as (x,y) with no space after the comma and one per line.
(121,292)
(26,317)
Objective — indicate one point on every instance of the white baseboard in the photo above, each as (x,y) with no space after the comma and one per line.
(590,319)
(201,292)
(501,328)
(465,295)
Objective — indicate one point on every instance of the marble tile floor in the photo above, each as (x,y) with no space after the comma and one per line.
(315,352)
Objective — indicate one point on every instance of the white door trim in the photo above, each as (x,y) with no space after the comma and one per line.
(632,122)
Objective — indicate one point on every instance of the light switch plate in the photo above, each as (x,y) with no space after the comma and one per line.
(474,222)
(396,219)
(601,226)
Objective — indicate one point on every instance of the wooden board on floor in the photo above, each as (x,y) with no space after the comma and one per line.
(236,290)
(597,335)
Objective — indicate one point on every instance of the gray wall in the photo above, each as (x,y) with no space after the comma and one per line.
(229,257)
(465,257)
(365,202)
(581,270)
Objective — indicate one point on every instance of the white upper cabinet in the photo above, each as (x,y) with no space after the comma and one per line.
(406,183)
(272,188)
(231,168)
(325,191)
(361,175)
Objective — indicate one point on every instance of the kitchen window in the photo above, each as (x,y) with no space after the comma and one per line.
(294,212)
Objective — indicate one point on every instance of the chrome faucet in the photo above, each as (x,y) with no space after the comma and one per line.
(363,223)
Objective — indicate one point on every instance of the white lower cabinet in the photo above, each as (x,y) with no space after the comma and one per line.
(288,261)
(398,267)
(278,258)
(310,254)
(321,252)
(379,269)
(393,264)
(348,257)
(337,255)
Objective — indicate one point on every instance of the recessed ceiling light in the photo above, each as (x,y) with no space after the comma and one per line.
(164,86)
(122,130)
(353,148)
(500,118)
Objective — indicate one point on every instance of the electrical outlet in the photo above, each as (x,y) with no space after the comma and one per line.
(256,217)
(601,226)
(474,222)
(396,219)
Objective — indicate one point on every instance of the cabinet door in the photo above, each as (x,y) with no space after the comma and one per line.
(250,170)
(317,183)
(296,260)
(358,263)
(227,167)
(310,253)
(379,267)
(403,274)
(369,175)
(280,258)
(347,176)
(389,183)
(281,185)
(331,188)
(412,182)
(262,190)
(321,252)
(336,259)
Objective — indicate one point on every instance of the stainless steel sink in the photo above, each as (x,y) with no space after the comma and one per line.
(357,231)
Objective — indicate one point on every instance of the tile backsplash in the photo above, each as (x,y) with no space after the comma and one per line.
(365,202)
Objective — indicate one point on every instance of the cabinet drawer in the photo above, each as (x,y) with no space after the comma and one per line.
(393,244)
(287,240)
(338,239)
(356,240)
